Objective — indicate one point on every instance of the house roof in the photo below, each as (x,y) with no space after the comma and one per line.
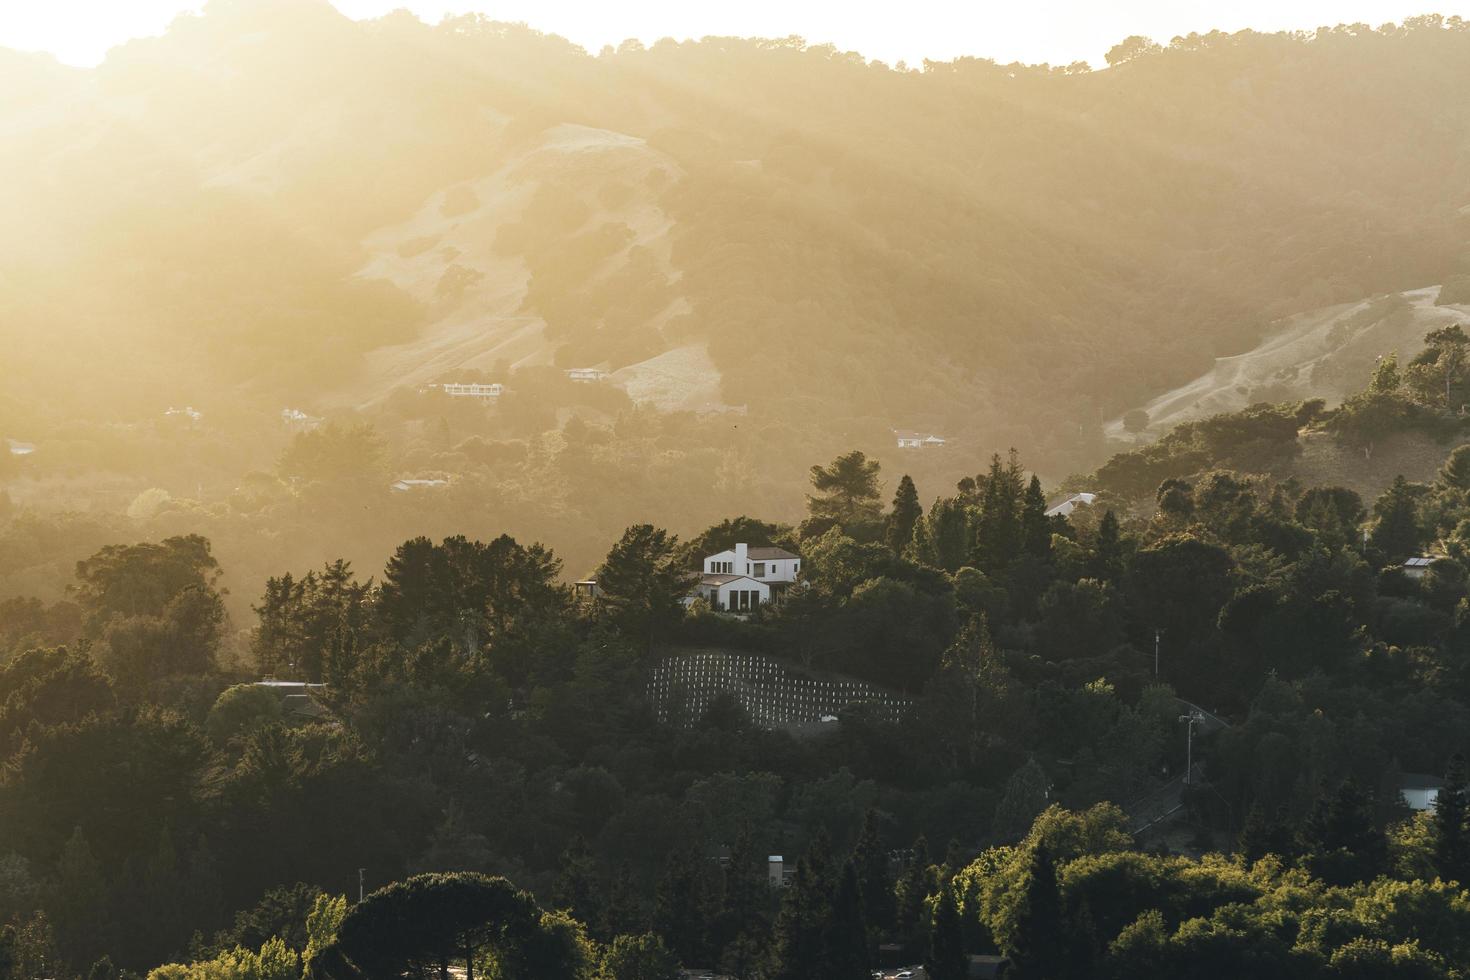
(723,578)
(1420,561)
(768,554)
(1068,505)
(1419,780)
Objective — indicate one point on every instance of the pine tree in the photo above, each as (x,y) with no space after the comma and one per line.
(946,959)
(847,937)
(679,912)
(1340,841)
(998,538)
(81,896)
(1396,533)
(911,891)
(1039,947)
(799,944)
(1035,528)
(1451,835)
(904,516)
(576,883)
(874,881)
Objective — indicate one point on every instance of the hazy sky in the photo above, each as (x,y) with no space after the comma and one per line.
(80,31)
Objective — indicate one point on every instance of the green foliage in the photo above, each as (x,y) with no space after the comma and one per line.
(639,958)
(641,583)
(846,496)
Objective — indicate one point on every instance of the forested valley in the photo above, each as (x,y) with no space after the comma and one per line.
(385,405)
(1167,734)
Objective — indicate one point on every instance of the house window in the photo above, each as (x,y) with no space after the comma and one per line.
(760,569)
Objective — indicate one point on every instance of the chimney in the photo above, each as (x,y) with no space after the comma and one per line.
(741,561)
(776,867)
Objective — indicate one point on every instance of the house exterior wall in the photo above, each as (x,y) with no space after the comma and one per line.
(739,562)
(727,597)
(1420,799)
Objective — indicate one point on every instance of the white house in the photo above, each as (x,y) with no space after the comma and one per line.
(187,412)
(745,578)
(1066,507)
(908,439)
(1420,791)
(18,448)
(586,374)
(1418,566)
(404,486)
(484,392)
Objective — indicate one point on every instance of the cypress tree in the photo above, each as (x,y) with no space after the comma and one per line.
(874,882)
(1396,533)
(1451,843)
(912,890)
(1262,835)
(847,937)
(905,514)
(998,537)
(799,945)
(1035,528)
(1038,949)
(679,907)
(946,959)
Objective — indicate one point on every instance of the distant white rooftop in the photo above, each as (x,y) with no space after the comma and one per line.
(1066,507)
(18,448)
(403,486)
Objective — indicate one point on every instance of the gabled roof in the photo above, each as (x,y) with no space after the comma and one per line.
(768,554)
(724,578)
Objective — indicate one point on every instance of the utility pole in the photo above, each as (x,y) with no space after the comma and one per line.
(1192,717)
(359,884)
(1157,633)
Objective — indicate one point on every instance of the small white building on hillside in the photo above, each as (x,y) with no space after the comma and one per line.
(908,439)
(745,578)
(405,486)
(586,374)
(483,392)
(1065,508)
(1418,566)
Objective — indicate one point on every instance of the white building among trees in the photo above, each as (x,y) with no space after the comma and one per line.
(744,578)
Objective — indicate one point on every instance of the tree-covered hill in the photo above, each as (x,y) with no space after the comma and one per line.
(1006,253)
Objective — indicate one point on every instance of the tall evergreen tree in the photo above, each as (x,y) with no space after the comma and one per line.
(1451,835)
(1035,528)
(1339,839)
(1396,532)
(874,880)
(847,937)
(998,538)
(946,959)
(679,909)
(799,944)
(911,891)
(1039,948)
(905,514)
(846,492)
(641,582)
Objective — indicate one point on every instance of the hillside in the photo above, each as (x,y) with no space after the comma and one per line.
(992,251)
(1323,353)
